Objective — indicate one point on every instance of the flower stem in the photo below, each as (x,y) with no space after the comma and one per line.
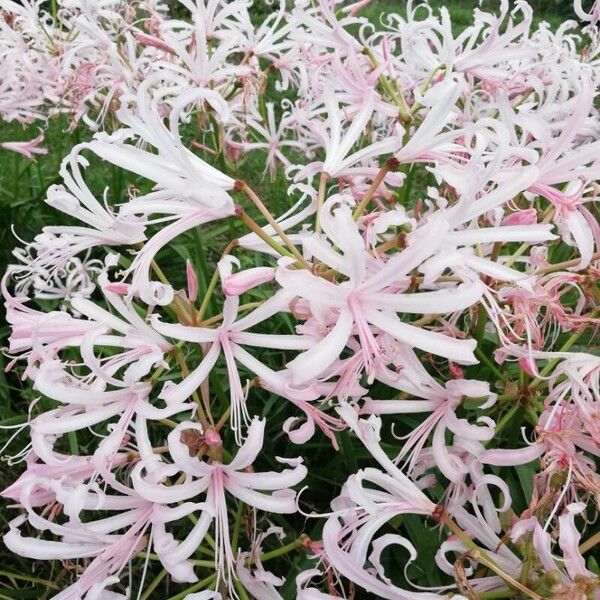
(297,543)
(416,106)
(178,306)
(180,358)
(148,591)
(235,536)
(493,368)
(505,420)
(244,187)
(320,200)
(258,230)
(390,164)
(481,556)
(552,363)
(397,99)
(590,543)
(196,587)
(212,284)
(563,265)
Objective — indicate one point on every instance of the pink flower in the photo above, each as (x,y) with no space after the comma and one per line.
(368,301)
(27,149)
(215,479)
(228,339)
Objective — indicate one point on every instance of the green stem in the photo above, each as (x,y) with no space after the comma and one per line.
(482,556)
(320,200)
(180,310)
(480,354)
(416,106)
(590,543)
(29,578)
(153,585)
(505,420)
(241,590)
(389,165)
(202,271)
(552,363)
(195,588)
(298,543)
(482,318)
(258,230)
(398,100)
(237,526)
(244,187)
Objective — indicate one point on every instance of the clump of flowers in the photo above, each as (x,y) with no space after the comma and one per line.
(421,288)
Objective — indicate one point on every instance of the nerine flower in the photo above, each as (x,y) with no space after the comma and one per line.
(369,298)
(214,479)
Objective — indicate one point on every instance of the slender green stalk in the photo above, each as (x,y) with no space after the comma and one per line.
(320,200)
(30,578)
(244,187)
(482,556)
(397,98)
(389,165)
(297,543)
(493,368)
(153,585)
(237,526)
(552,363)
(259,231)
(204,583)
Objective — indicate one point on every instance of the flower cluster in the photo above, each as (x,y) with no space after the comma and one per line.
(426,278)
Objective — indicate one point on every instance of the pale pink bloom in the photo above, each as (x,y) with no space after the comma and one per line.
(534,316)
(56,245)
(367,431)
(482,532)
(493,42)
(215,479)
(430,142)
(228,339)
(255,578)
(571,566)
(84,405)
(563,445)
(351,564)
(76,278)
(37,335)
(368,301)
(570,165)
(593,16)
(136,347)
(442,404)
(109,552)
(320,26)
(188,190)
(27,149)
(270,39)
(272,139)
(235,284)
(338,144)
(179,174)
(192,281)
(97,539)
(200,64)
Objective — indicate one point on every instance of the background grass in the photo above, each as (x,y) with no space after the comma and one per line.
(22,191)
